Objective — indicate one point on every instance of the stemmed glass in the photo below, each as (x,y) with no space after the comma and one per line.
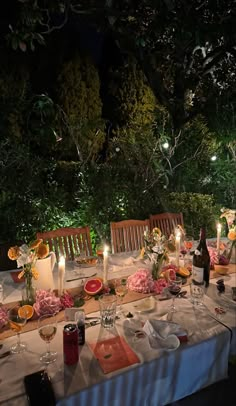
(174,287)
(121,290)
(17,321)
(47,328)
(99,253)
(188,243)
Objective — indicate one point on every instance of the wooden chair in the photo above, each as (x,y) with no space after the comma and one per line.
(167,222)
(127,235)
(67,241)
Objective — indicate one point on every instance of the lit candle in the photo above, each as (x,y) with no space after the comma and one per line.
(105,264)
(177,246)
(61,275)
(218,237)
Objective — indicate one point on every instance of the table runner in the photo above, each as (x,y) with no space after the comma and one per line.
(92,305)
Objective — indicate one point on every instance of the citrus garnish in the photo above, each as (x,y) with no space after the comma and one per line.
(183,272)
(26,311)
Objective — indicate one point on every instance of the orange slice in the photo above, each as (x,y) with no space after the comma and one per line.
(183,272)
(26,311)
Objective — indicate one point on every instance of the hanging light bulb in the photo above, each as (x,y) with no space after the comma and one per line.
(165,145)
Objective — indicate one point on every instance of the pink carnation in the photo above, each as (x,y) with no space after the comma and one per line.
(46,303)
(141,281)
(67,300)
(159,285)
(213,256)
(3,317)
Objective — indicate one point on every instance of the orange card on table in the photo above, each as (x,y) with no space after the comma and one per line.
(15,278)
(113,354)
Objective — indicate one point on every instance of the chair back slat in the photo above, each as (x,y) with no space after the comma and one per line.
(167,222)
(67,241)
(128,235)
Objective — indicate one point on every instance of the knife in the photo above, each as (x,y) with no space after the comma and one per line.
(5,354)
(81,277)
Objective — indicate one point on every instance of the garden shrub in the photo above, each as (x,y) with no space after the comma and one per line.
(198,210)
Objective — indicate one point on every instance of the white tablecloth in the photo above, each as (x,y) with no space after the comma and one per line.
(160,378)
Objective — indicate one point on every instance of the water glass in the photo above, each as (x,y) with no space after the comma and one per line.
(197,294)
(107,304)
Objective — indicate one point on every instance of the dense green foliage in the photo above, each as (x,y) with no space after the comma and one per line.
(78,88)
(85,145)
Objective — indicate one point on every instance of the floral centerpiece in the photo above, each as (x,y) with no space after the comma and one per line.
(26,257)
(230,216)
(156,248)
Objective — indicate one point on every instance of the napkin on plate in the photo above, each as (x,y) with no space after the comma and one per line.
(122,261)
(164,334)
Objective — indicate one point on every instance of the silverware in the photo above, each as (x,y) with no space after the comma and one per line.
(92,318)
(81,277)
(5,354)
(92,323)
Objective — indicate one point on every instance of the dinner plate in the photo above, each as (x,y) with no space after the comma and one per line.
(86,262)
(146,305)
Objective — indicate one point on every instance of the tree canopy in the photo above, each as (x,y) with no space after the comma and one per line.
(187,50)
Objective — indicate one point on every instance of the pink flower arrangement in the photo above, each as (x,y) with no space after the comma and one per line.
(3,317)
(159,285)
(46,303)
(213,256)
(67,300)
(141,281)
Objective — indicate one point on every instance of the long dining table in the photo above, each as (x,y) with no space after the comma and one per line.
(159,376)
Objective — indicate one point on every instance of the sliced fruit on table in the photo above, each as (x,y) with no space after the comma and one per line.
(26,311)
(93,286)
(182,271)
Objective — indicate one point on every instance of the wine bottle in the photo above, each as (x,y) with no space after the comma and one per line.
(201,262)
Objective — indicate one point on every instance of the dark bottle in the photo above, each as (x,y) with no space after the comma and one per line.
(201,262)
(80,321)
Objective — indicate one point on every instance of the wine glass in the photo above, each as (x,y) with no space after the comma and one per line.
(121,290)
(174,287)
(188,243)
(47,328)
(99,253)
(17,321)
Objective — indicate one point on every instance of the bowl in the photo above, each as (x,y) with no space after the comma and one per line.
(221,269)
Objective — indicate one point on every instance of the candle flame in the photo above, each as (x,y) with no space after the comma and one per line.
(62,260)
(178,234)
(219,227)
(106,248)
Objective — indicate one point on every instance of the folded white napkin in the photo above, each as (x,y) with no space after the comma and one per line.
(164,334)
(119,261)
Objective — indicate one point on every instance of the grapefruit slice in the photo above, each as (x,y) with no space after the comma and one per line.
(93,286)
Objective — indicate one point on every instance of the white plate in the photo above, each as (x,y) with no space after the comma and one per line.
(146,305)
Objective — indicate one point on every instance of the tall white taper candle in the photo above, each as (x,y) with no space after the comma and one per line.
(177,246)
(61,275)
(218,238)
(105,264)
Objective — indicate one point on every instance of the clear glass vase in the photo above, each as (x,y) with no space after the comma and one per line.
(28,292)
(156,269)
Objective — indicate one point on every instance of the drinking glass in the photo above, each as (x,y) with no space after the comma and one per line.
(188,243)
(197,294)
(107,304)
(47,328)
(99,253)
(17,322)
(121,290)
(174,287)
